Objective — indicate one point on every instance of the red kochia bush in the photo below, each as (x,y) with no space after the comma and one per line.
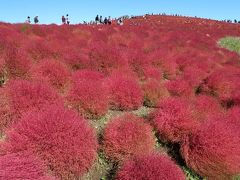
(152,167)
(88,94)
(59,137)
(125,93)
(105,59)
(16,61)
(173,119)
(25,95)
(154,91)
(22,166)
(180,88)
(205,106)
(127,136)
(233,115)
(53,72)
(224,83)
(213,151)
(5,111)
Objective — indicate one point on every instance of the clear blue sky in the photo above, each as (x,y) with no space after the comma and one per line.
(50,11)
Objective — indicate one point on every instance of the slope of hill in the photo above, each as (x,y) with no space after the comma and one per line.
(94,101)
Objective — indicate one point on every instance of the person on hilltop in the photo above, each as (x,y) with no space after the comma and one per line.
(101,20)
(28,21)
(36,19)
(67,19)
(120,21)
(109,20)
(97,19)
(63,20)
(105,20)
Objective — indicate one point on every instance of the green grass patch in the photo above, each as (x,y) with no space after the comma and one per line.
(230,43)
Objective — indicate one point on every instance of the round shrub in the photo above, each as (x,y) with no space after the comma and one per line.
(173,119)
(22,166)
(17,62)
(25,95)
(53,72)
(213,151)
(180,88)
(105,58)
(233,115)
(154,91)
(5,111)
(152,166)
(59,137)
(125,93)
(224,83)
(205,106)
(127,136)
(88,94)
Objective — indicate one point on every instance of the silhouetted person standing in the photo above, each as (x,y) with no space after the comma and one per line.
(100,20)
(36,19)
(105,21)
(67,19)
(97,19)
(28,20)
(109,20)
(63,20)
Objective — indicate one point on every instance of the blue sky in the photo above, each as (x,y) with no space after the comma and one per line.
(50,11)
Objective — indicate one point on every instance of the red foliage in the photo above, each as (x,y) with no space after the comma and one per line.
(224,83)
(173,119)
(154,91)
(152,166)
(5,111)
(206,106)
(105,59)
(59,137)
(25,95)
(2,64)
(180,88)
(85,75)
(125,93)
(127,136)
(22,166)
(16,61)
(213,151)
(75,58)
(88,94)
(233,115)
(38,49)
(152,73)
(53,72)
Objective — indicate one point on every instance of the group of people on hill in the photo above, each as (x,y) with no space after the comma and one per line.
(100,20)
(65,20)
(108,21)
(28,20)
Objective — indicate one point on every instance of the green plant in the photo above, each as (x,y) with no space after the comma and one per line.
(230,43)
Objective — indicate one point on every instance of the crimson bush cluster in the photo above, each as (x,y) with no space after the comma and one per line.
(171,65)
(61,139)
(153,166)
(127,136)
